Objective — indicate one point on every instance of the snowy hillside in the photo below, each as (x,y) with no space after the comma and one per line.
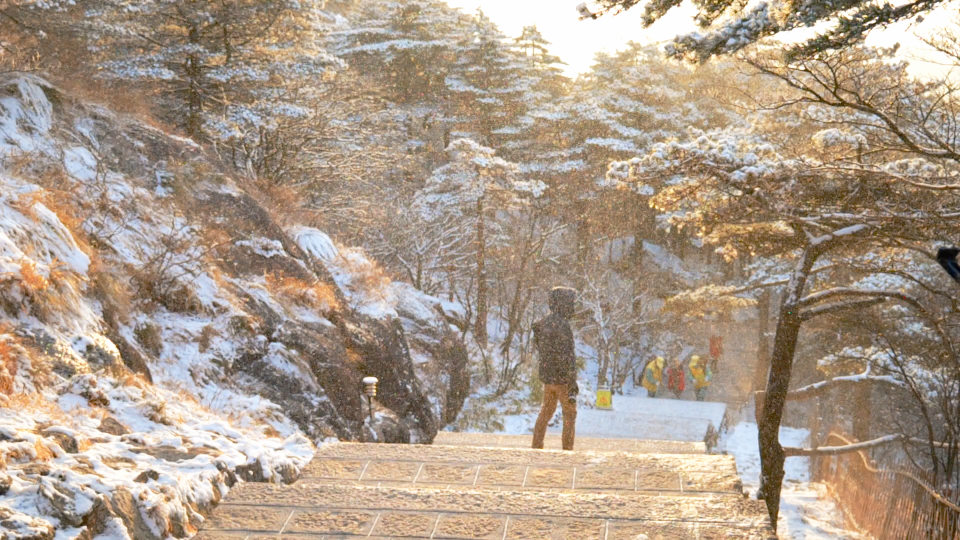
(162,337)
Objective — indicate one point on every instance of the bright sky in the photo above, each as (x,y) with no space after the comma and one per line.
(576,42)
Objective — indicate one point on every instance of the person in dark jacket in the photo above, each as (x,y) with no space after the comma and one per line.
(558,366)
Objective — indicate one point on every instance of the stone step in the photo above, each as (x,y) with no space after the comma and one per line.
(318,510)
(448,438)
(482,492)
(515,469)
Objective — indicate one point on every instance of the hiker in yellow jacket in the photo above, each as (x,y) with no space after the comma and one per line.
(701,377)
(653,375)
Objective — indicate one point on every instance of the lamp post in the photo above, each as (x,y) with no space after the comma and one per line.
(370,390)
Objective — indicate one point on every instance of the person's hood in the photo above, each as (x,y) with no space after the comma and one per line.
(694,360)
(563,301)
(660,361)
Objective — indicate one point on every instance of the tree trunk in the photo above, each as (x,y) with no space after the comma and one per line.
(519,303)
(861,412)
(480,330)
(194,120)
(193,71)
(763,345)
(778,383)
(584,246)
(604,358)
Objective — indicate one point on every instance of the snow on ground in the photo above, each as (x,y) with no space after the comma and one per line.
(806,511)
(635,418)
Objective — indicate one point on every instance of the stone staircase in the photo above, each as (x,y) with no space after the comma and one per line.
(487,487)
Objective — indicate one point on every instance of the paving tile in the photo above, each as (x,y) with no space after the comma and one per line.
(229,517)
(212,535)
(549,478)
(533,501)
(470,527)
(322,522)
(405,525)
(449,474)
(391,470)
(505,475)
(333,468)
(349,537)
(657,480)
(604,479)
(534,528)
(217,535)
(705,481)
(661,530)
(652,530)
(518,456)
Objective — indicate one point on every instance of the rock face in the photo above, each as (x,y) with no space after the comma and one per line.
(124,506)
(333,355)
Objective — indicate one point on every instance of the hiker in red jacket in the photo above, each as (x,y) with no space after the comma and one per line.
(716,351)
(675,378)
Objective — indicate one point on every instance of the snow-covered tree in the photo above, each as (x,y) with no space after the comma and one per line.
(474,187)
(611,327)
(732,25)
(484,84)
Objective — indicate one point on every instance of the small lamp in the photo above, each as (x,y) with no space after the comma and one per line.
(370,390)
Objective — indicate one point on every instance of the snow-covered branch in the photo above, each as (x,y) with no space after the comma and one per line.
(846,231)
(821,388)
(857,447)
(835,307)
(835,450)
(820,296)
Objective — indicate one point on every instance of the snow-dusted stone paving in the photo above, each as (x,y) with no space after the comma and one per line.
(461,492)
(641,446)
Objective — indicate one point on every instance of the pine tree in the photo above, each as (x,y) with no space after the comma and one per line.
(227,69)
(484,84)
(410,46)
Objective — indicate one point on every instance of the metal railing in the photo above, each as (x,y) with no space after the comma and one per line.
(887,504)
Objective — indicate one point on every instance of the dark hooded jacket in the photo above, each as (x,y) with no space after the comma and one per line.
(554,339)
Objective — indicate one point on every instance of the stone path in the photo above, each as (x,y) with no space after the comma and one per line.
(478,492)
(640,446)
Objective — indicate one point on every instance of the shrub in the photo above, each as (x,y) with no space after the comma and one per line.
(8,364)
(150,337)
(318,295)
